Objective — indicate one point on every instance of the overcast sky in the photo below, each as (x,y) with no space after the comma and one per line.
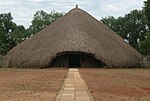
(23,10)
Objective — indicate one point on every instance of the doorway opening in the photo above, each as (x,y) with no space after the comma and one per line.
(74,60)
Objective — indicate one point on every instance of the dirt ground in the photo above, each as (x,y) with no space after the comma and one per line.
(118,84)
(30,84)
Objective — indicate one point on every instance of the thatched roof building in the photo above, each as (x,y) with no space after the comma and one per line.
(76,39)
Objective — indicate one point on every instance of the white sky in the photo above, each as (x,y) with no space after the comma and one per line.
(23,10)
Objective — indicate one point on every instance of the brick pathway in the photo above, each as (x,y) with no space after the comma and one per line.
(74,88)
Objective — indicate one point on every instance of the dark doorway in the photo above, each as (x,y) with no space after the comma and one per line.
(74,60)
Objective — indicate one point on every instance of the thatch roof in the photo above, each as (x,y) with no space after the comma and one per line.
(75,31)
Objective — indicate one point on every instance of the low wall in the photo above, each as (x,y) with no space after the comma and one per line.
(146,62)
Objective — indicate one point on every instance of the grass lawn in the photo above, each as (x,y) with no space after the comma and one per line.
(30,84)
(118,84)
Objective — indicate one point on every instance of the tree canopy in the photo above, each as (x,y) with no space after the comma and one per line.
(42,19)
(147,11)
(132,27)
(145,46)
(10,33)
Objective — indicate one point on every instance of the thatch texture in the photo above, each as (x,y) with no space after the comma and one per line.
(76,31)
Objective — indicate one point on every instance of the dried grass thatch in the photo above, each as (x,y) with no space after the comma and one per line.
(76,31)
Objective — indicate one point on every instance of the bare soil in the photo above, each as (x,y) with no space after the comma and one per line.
(118,84)
(30,84)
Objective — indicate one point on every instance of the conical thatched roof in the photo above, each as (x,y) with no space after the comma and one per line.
(76,31)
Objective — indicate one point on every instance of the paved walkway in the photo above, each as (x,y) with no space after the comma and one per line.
(74,88)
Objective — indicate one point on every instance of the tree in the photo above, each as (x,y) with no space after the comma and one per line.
(10,33)
(110,21)
(19,34)
(42,19)
(147,11)
(145,45)
(132,27)
(135,27)
(6,28)
(116,24)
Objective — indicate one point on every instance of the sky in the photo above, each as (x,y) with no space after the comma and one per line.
(23,10)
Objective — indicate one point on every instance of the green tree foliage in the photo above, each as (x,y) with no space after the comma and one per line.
(116,24)
(111,22)
(147,11)
(135,27)
(131,27)
(19,34)
(42,19)
(6,28)
(145,45)
(10,33)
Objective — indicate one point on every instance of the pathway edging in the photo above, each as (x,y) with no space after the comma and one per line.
(74,88)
